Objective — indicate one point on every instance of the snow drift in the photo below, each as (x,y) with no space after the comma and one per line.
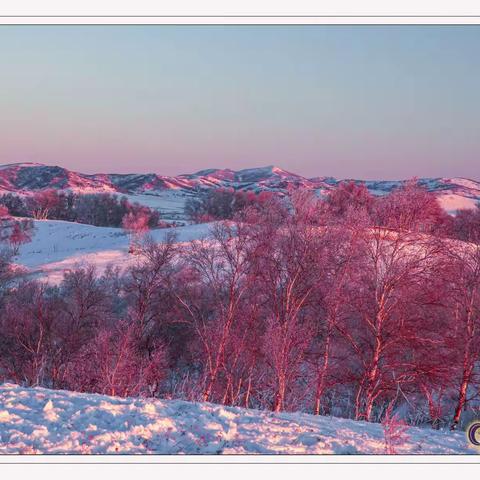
(38,420)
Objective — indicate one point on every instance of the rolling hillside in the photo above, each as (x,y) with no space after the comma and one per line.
(168,193)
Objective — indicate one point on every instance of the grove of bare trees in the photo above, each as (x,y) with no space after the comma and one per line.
(349,306)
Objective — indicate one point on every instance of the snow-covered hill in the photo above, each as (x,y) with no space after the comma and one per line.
(28,177)
(52,421)
(169,193)
(57,246)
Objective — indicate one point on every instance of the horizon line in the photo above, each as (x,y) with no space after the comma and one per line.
(216,169)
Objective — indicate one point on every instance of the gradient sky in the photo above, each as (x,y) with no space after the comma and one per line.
(345,101)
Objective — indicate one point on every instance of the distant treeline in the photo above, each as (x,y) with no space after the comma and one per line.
(100,209)
(222,203)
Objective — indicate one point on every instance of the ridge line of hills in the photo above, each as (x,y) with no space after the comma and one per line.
(24,178)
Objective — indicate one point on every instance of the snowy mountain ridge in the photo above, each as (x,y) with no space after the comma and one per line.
(24,178)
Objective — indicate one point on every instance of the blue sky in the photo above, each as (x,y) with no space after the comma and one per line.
(346,101)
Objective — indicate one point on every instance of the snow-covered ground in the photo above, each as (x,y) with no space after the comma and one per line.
(452,202)
(57,246)
(37,420)
(170,203)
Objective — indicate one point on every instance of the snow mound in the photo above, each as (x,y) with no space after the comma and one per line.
(38,420)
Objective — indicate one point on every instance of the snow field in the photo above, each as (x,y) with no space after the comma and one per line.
(38,420)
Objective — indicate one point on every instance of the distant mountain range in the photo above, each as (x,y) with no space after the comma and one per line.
(24,178)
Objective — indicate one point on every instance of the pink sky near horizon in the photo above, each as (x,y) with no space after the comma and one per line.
(348,102)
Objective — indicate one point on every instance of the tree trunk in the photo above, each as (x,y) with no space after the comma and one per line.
(467,366)
(371,381)
(462,395)
(321,376)
(280,395)
(279,399)
(247,395)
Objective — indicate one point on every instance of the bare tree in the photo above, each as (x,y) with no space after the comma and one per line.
(466,314)
(220,267)
(112,364)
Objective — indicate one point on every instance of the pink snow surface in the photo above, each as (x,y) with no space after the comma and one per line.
(38,420)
